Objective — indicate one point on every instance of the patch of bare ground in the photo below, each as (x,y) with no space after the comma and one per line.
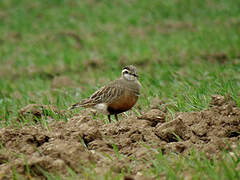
(231,22)
(166,27)
(56,72)
(141,62)
(62,82)
(173,26)
(37,112)
(117,146)
(93,63)
(220,58)
(75,36)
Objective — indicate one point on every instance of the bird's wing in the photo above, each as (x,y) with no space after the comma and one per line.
(106,94)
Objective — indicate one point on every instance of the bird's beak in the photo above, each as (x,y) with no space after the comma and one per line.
(135,75)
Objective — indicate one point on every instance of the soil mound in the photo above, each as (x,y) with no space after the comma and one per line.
(32,150)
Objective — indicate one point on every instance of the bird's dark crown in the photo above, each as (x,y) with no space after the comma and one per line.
(132,70)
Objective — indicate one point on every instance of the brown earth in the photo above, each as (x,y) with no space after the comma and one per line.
(82,140)
(217,57)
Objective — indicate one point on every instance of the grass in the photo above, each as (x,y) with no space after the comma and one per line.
(195,166)
(185,51)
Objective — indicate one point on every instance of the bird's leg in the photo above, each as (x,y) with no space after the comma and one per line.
(116,117)
(109,118)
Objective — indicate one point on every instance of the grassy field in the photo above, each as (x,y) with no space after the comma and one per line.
(60,51)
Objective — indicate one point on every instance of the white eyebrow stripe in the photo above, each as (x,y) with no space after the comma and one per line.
(125,70)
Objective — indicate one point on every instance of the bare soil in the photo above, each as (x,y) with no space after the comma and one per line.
(217,57)
(83,140)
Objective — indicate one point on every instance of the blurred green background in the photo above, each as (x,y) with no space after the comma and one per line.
(57,52)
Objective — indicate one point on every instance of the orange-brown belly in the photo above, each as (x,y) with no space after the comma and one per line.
(124,103)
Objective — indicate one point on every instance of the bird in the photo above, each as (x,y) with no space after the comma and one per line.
(116,97)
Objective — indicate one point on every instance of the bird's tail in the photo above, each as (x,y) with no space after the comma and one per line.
(84,103)
(74,106)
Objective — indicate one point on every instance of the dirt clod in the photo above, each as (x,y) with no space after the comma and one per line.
(172,131)
(83,140)
(216,57)
(62,82)
(155,116)
(36,111)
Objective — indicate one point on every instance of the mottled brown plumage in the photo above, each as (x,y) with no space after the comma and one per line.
(116,97)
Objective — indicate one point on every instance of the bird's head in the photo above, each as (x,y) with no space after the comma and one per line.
(130,73)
